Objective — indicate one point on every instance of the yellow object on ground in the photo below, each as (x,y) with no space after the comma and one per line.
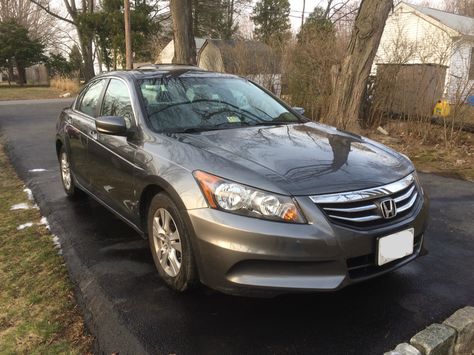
(441,109)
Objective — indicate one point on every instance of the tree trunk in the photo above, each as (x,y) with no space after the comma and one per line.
(87,55)
(21,74)
(351,77)
(10,75)
(184,45)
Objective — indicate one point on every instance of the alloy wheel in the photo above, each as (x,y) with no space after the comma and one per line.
(65,171)
(167,242)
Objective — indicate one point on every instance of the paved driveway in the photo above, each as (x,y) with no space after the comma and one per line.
(130,310)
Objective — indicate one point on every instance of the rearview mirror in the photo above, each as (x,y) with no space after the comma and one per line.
(113,125)
(299,110)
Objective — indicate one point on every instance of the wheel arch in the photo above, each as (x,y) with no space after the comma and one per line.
(59,145)
(152,187)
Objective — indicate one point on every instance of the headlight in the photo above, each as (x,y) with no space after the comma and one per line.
(245,200)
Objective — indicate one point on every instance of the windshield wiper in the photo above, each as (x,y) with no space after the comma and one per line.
(274,123)
(223,125)
(193,130)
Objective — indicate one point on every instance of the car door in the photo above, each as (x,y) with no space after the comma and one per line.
(82,128)
(112,157)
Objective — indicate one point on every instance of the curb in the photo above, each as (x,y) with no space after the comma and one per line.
(455,336)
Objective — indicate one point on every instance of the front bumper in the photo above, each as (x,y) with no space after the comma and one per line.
(249,256)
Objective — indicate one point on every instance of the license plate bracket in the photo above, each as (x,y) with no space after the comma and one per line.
(395,246)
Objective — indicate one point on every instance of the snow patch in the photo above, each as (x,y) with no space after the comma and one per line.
(20,206)
(25,225)
(57,244)
(44,222)
(37,170)
(29,193)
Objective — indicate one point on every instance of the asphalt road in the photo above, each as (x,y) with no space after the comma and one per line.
(129,310)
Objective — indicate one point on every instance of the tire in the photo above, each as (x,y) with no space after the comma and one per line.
(66,175)
(170,244)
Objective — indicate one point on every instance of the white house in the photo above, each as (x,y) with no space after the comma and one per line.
(167,54)
(420,35)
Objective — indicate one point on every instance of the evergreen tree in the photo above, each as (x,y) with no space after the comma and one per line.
(17,49)
(272,21)
(317,25)
(76,63)
(108,30)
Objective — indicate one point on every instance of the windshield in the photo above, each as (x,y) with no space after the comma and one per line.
(205,103)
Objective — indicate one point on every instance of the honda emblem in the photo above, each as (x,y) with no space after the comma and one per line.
(388,208)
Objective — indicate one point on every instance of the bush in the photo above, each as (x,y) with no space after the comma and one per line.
(65,84)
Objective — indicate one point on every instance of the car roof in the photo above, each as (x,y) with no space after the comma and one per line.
(168,70)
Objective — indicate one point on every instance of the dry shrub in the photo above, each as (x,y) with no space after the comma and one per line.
(428,149)
(65,84)
(256,61)
(307,71)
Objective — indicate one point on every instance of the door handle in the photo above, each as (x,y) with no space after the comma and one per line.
(93,134)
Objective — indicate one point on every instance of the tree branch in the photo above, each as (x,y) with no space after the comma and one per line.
(52,13)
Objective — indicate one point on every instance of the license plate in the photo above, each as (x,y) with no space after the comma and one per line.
(395,246)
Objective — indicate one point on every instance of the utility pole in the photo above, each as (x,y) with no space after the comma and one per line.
(128,39)
(302,14)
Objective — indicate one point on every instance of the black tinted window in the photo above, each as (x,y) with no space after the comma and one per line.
(117,101)
(90,98)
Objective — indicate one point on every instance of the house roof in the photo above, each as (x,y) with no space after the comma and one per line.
(199,43)
(461,24)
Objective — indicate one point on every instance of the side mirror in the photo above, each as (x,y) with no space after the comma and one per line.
(298,110)
(113,125)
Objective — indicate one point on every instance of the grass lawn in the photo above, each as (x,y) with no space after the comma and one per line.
(38,314)
(28,93)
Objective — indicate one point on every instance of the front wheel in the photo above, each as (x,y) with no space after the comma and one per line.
(66,174)
(169,244)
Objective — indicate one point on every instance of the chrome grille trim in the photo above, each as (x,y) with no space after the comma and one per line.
(362,208)
(405,196)
(408,205)
(367,194)
(353,209)
(358,219)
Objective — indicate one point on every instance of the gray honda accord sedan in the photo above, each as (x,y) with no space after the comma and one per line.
(235,189)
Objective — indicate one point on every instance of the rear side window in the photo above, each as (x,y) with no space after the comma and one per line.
(90,99)
(117,101)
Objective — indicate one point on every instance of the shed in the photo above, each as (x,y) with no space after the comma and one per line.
(409,89)
(422,35)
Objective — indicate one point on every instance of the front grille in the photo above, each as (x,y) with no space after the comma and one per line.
(365,265)
(361,209)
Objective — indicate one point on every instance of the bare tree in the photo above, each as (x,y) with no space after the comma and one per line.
(85,38)
(184,44)
(31,17)
(461,7)
(350,79)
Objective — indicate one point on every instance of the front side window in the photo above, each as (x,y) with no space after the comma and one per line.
(180,103)
(117,101)
(90,99)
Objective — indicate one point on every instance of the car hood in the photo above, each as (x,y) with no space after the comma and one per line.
(304,159)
